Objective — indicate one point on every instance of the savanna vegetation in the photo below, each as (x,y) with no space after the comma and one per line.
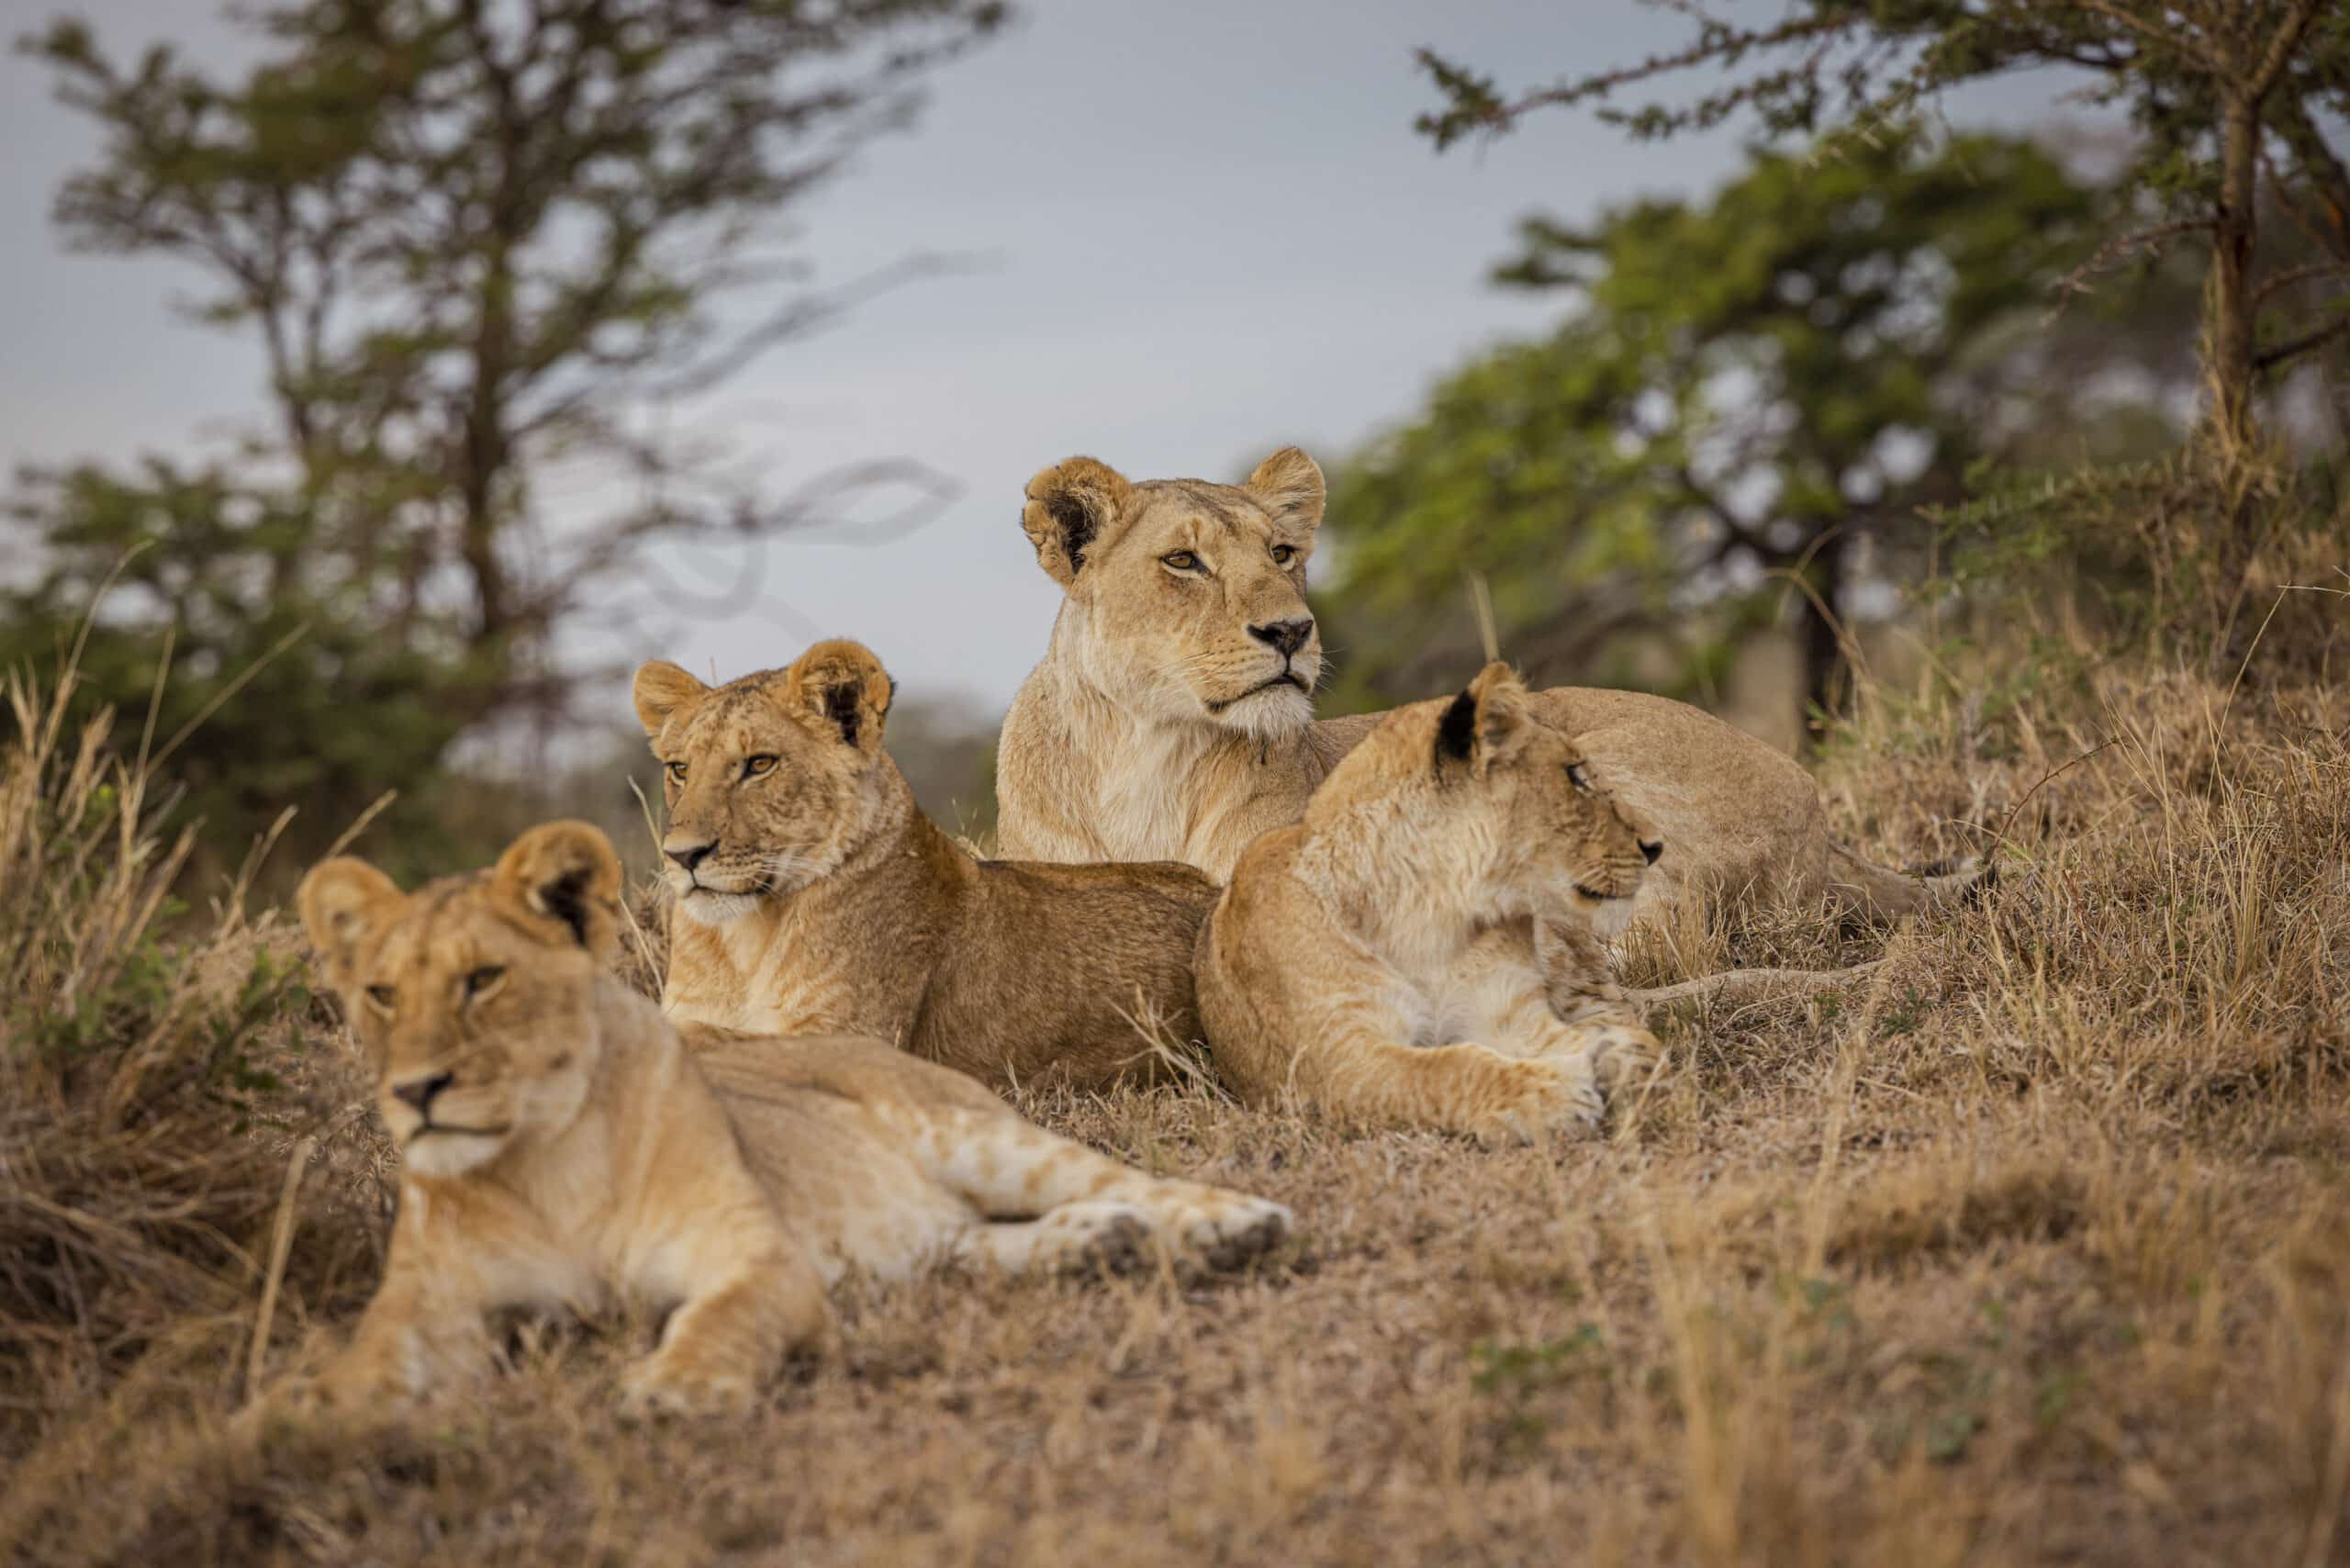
(2031,1242)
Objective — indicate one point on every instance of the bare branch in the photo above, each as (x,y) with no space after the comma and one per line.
(2293,348)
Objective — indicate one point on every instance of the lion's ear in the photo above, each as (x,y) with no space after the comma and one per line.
(340,901)
(1074,510)
(846,684)
(1288,484)
(661,688)
(1486,723)
(566,872)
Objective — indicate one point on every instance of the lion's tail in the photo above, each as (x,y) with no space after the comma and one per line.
(1874,893)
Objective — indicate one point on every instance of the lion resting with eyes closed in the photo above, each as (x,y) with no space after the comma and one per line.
(1424,949)
(562,1147)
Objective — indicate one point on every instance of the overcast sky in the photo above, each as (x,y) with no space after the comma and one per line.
(1212,231)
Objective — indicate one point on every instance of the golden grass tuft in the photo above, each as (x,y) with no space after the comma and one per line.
(154,1069)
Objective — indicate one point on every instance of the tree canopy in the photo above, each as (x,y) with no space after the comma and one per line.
(2237,106)
(476,243)
(1754,395)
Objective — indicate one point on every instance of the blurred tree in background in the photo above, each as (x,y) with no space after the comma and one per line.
(2237,108)
(480,246)
(1758,392)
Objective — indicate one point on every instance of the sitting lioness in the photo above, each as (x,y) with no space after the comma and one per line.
(812,896)
(559,1145)
(1172,715)
(1423,951)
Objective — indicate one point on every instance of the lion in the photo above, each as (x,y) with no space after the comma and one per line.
(561,1146)
(1424,948)
(1172,714)
(812,895)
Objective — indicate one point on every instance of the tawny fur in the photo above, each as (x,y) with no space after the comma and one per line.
(1425,949)
(827,903)
(578,1152)
(1147,731)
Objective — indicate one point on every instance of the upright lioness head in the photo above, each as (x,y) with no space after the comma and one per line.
(474,996)
(1186,600)
(1474,793)
(772,780)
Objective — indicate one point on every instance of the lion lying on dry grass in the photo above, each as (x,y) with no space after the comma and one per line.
(812,896)
(1424,949)
(561,1146)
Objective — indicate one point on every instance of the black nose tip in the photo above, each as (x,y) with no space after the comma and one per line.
(689,858)
(1288,636)
(1651,848)
(418,1091)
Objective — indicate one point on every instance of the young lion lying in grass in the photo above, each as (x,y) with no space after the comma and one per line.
(812,896)
(561,1146)
(1424,948)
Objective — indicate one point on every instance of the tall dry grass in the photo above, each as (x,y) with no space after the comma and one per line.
(2029,1244)
(155,1066)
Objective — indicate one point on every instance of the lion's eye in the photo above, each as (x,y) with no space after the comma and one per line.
(1180,560)
(381,995)
(1578,778)
(677,771)
(757,766)
(484,979)
(1284,553)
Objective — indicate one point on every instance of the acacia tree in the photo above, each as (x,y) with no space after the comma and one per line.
(475,243)
(2237,105)
(1751,391)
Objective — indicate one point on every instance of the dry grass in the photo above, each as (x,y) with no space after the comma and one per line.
(2030,1245)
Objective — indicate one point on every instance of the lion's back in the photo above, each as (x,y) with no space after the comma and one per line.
(1072,969)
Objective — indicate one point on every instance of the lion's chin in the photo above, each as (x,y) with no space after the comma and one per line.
(1606,917)
(442,1155)
(708,906)
(1270,713)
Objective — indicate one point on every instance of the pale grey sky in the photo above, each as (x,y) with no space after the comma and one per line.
(1212,229)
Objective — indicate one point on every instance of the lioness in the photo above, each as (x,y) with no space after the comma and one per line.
(1172,715)
(559,1144)
(1422,948)
(812,896)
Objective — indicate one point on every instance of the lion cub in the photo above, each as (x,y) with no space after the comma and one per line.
(1423,949)
(812,896)
(560,1147)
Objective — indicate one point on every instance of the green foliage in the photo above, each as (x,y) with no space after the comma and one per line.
(1752,386)
(473,244)
(2236,105)
(271,682)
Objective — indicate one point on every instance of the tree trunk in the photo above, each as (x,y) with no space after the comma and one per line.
(1820,627)
(2232,308)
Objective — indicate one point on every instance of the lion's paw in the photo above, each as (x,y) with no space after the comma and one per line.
(1099,1235)
(1623,1055)
(659,1388)
(1233,1230)
(1561,1098)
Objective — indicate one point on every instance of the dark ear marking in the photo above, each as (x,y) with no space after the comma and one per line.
(565,899)
(840,706)
(1078,527)
(1455,733)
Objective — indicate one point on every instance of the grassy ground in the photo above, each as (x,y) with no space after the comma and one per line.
(2032,1245)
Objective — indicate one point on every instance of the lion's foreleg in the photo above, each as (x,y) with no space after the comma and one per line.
(721,1341)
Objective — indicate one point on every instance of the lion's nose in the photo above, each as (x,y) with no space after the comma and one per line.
(1287,636)
(688,855)
(1652,847)
(418,1091)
